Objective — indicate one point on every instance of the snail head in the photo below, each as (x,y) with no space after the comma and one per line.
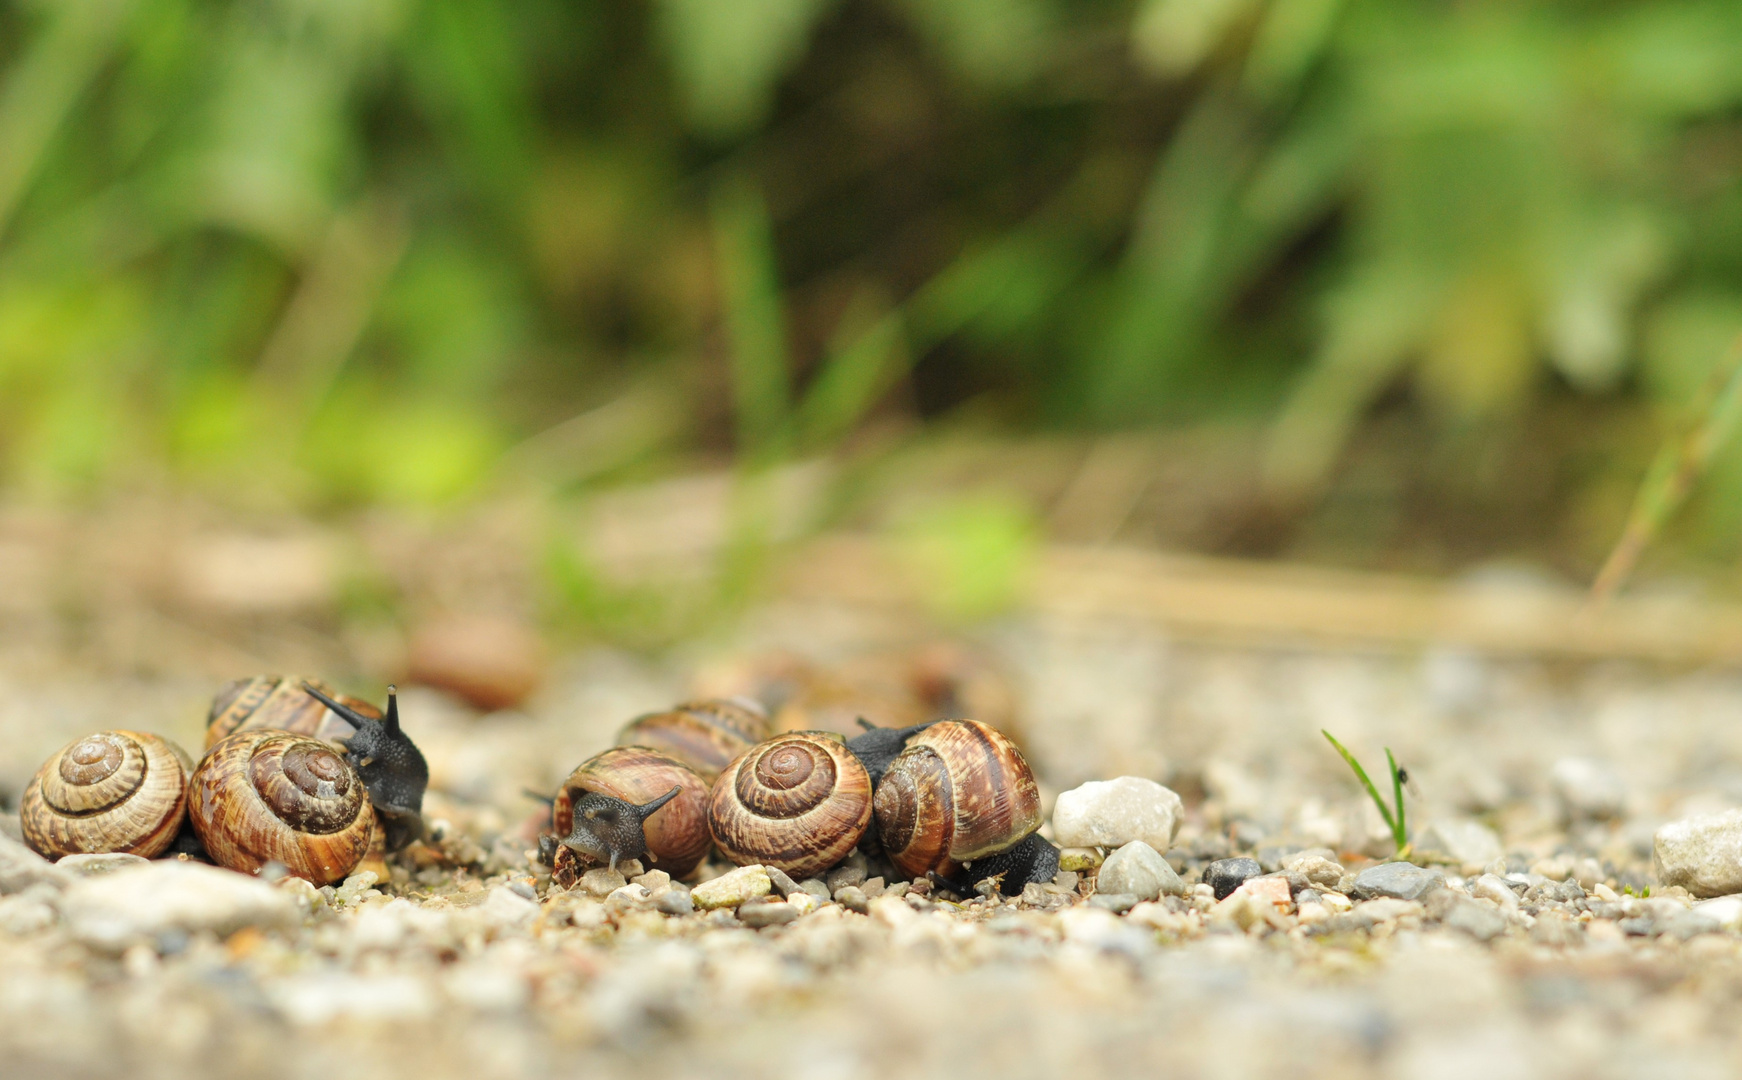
(392,767)
(610,830)
(880,746)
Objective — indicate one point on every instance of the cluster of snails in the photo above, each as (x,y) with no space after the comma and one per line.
(953,800)
(293,774)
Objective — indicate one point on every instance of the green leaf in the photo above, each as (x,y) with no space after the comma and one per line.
(728,56)
(755,322)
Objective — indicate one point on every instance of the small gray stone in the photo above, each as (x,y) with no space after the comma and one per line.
(853,898)
(1465,842)
(783,886)
(20,868)
(601,882)
(1398,880)
(1225,875)
(1117,903)
(730,890)
(763,913)
(674,902)
(818,888)
(1139,870)
(1479,920)
(1588,788)
(170,897)
(1113,813)
(104,863)
(844,875)
(1701,854)
(1316,867)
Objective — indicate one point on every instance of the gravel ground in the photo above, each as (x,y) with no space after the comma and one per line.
(1536,791)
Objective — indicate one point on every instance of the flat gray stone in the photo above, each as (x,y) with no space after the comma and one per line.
(1138,870)
(1480,921)
(100,863)
(1588,788)
(1466,842)
(111,911)
(1398,880)
(1703,854)
(1113,813)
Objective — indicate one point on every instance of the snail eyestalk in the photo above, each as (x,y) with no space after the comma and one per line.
(392,767)
(1394,821)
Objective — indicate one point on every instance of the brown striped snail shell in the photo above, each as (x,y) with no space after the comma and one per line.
(960,792)
(276,796)
(632,802)
(799,802)
(279,703)
(705,735)
(115,791)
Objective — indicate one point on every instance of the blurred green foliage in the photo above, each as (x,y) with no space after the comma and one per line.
(332,251)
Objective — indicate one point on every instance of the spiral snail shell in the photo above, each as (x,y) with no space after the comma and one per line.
(275,796)
(280,703)
(705,735)
(631,801)
(115,791)
(959,793)
(799,802)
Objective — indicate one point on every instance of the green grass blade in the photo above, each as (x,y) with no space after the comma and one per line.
(1399,831)
(755,320)
(1372,792)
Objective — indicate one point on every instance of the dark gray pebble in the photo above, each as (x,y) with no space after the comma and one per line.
(1226,875)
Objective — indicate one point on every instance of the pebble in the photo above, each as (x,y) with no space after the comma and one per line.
(844,875)
(1495,888)
(764,913)
(1113,813)
(1117,903)
(601,882)
(490,661)
(783,885)
(674,902)
(1315,867)
(1701,854)
(1398,880)
(1588,788)
(1138,870)
(99,863)
(629,898)
(27,912)
(1726,911)
(504,909)
(114,910)
(818,888)
(20,868)
(1079,859)
(853,898)
(1464,842)
(1225,875)
(1482,921)
(732,889)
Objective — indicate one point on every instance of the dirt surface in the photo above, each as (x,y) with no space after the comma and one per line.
(449,969)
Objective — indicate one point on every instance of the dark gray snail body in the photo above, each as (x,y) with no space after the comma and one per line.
(393,769)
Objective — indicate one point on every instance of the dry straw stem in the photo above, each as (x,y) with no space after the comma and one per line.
(1679,465)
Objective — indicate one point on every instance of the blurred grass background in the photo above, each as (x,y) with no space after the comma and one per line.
(1426,282)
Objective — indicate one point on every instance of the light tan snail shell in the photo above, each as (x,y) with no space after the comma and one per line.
(799,802)
(274,796)
(705,735)
(960,791)
(279,703)
(115,791)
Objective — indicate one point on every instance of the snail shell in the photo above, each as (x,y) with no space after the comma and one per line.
(705,735)
(959,792)
(676,834)
(275,796)
(116,791)
(279,703)
(799,802)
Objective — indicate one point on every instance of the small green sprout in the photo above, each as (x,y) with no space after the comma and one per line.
(1394,821)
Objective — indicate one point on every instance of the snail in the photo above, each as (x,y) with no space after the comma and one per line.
(278,703)
(275,796)
(961,801)
(630,802)
(115,791)
(879,746)
(392,767)
(799,802)
(704,735)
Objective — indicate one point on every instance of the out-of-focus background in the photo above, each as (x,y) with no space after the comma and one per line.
(590,315)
